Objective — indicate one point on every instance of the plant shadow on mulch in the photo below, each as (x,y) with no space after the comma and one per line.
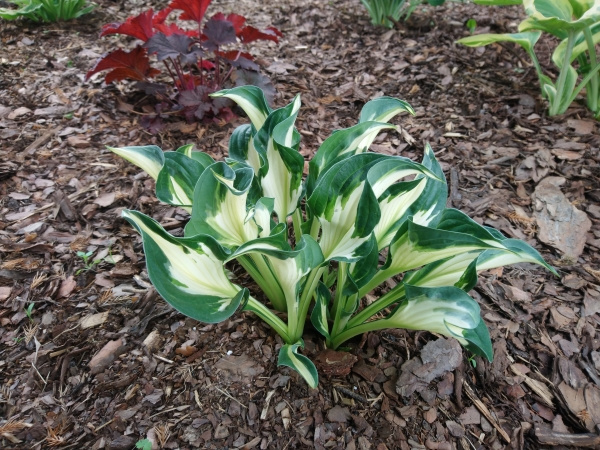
(102,362)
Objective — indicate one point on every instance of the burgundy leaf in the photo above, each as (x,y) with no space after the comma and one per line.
(237,20)
(239,59)
(224,116)
(173,46)
(197,103)
(174,29)
(218,32)
(152,123)
(189,82)
(251,34)
(207,65)
(158,21)
(250,77)
(133,65)
(151,88)
(161,16)
(139,26)
(192,9)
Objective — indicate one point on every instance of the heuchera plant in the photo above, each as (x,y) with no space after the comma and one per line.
(576,23)
(198,61)
(314,246)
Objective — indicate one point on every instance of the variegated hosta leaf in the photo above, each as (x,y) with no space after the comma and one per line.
(252,100)
(415,245)
(384,109)
(394,204)
(270,147)
(241,147)
(424,197)
(203,158)
(446,310)
(188,272)
(558,17)
(457,221)
(430,204)
(220,205)
(277,144)
(449,271)
(357,139)
(279,141)
(177,178)
(527,40)
(320,313)
(363,270)
(289,266)
(560,101)
(519,252)
(289,356)
(340,145)
(261,213)
(445,272)
(580,46)
(347,211)
(346,201)
(176,173)
(149,158)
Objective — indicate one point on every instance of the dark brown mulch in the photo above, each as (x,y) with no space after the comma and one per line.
(102,362)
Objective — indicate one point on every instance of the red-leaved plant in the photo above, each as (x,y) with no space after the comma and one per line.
(197,61)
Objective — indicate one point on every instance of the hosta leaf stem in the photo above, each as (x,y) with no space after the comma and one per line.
(556,107)
(391,297)
(269,317)
(297,220)
(312,281)
(380,277)
(593,85)
(258,269)
(339,299)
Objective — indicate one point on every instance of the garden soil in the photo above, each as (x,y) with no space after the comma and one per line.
(100,361)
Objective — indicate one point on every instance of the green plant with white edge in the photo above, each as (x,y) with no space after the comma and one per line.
(576,23)
(47,10)
(313,245)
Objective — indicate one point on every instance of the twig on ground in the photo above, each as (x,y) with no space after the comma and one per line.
(485,411)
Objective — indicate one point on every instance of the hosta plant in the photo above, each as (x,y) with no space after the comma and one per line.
(181,67)
(576,24)
(46,10)
(387,13)
(316,246)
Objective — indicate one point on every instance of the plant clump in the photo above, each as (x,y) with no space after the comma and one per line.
(576,26)
(46,10)
(190,64)
(316,246)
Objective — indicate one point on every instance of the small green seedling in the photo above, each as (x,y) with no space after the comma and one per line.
(29,311)
(471,25)
(90,264)
(144,444)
